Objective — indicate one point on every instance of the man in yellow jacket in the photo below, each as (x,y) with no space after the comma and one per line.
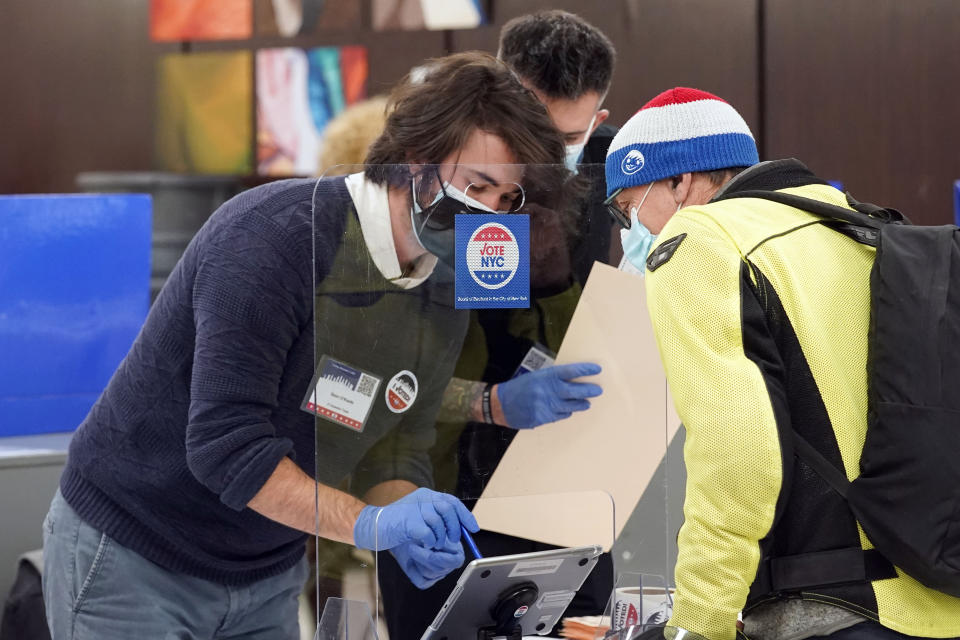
(761,315)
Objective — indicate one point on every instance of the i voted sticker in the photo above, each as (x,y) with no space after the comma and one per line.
(341,393)
(401,391)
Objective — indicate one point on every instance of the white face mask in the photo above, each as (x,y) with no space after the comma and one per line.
(454,193)
(575,151)
(460,196)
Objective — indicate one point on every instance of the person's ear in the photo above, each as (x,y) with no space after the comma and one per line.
(602,115)
(680,187)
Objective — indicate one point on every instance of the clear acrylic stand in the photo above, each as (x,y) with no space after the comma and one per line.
(355,305)
(638,602)
(346,620)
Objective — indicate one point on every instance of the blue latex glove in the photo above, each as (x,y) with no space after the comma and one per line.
(547,395)
(425,567)
(427,517)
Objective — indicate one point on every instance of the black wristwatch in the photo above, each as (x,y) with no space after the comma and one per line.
(485,404)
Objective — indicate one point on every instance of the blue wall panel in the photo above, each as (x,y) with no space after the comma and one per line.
(74,292)
(956,202)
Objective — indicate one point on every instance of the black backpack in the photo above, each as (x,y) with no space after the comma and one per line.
(907,497)
(23,612)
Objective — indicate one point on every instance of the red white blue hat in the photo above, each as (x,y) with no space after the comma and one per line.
(681,130)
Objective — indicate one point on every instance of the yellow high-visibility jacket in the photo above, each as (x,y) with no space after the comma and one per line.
(761,315)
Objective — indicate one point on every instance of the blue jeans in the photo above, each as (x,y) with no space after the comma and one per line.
(95,588)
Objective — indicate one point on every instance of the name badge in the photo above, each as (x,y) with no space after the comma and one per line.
(537,358)
(341,394)
(627,267)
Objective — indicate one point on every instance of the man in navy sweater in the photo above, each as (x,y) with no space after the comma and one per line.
(305,338)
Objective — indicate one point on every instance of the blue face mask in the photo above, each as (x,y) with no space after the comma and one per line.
(574,152)
(573,156)
(637,240)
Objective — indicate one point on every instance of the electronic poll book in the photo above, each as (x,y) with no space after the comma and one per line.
(513,596)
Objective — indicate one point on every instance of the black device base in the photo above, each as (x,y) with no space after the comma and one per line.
(507,610)
(491,633)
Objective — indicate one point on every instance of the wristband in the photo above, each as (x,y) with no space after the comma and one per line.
(485,404)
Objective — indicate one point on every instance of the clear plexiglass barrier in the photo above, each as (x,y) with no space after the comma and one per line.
(461,315)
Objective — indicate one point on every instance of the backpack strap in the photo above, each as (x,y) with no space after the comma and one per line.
(824,468)
(817,569)
(863,224)
(822,568)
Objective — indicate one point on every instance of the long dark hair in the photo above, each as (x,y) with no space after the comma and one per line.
(432,113)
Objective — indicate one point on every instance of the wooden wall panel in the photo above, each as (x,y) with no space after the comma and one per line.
(865,91)
(78,79)
(391,54)
(660,44)
(77,82)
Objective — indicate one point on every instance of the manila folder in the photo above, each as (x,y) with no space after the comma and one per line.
(576,482)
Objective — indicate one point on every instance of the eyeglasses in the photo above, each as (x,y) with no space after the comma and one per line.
(442,218)
(613,208)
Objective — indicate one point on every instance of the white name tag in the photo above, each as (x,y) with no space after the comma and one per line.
(341,394)
(627,267)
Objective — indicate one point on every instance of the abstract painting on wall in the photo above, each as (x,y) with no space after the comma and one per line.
(175,20)
(298,93)
(414,15)
(205,113)
(290,18)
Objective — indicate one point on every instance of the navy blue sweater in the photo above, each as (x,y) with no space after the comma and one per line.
(207,401)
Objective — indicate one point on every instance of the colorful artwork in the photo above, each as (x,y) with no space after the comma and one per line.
(175,20)
(290,18)
(204,113)
(413,15)
(298,93)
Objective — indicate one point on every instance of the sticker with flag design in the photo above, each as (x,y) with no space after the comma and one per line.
(493,261)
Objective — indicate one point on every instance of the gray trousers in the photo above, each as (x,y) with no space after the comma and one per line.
(95,588)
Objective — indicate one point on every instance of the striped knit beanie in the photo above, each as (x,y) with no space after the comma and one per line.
(681,130)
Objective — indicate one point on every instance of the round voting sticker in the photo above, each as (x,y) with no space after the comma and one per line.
(493,255)
(519,613)
(401,391)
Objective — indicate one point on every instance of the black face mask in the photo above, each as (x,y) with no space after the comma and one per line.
(434,225)
(435,235)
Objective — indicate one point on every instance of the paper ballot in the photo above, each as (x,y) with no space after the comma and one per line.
(569,471)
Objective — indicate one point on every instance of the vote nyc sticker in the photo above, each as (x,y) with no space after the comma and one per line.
(492,261)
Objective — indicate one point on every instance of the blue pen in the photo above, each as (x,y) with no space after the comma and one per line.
(470,543)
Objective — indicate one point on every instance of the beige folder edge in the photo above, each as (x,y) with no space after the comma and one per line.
(575,482)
